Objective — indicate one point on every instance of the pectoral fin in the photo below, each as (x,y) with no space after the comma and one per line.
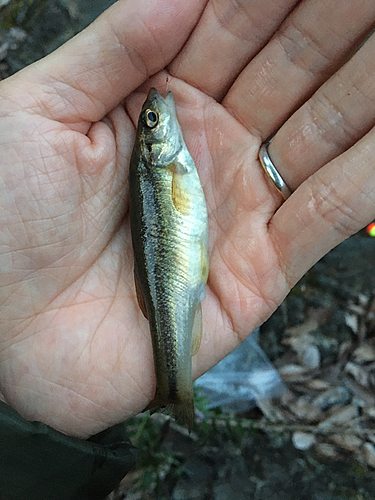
(141,301)
(181,197)
(197,331)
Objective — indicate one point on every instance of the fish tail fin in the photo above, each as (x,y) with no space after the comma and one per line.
(182,410)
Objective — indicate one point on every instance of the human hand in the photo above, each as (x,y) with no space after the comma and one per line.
(75,349)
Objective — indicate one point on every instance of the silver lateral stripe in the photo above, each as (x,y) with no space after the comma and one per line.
(271,171)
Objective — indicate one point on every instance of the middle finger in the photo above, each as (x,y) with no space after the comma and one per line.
(227,36)
(315,40)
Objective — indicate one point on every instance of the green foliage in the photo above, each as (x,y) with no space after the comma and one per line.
(200,401)
(359,469)
(162,451)
(156,461)
(11,12)
(15,12)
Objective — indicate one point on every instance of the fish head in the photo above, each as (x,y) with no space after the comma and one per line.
(158,129)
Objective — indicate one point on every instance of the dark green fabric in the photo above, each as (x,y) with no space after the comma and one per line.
(37,462)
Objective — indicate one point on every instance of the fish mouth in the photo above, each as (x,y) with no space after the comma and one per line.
(154,98)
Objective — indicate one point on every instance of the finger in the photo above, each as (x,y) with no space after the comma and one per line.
(90,74)
(334,203)
(312,43)
(336,116)
(228,35)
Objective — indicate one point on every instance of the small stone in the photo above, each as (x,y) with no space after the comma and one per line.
(303,440)
(369,454)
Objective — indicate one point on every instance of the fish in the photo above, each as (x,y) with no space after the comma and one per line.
(169,228)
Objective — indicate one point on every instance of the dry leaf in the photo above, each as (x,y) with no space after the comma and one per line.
(305,410)
(351,320)
(327,450)
(272,412)
(334,396)
(369,454)
(365,353)
(293,373)
(349,442)
(310,357)
(358,373)
(318,384)
(340,417)
(370,411)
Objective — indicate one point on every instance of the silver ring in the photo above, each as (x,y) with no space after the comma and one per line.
(271,171)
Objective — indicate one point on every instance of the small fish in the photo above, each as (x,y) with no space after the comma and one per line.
(169,232)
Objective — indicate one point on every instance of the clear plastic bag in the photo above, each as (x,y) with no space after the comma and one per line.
(241,379)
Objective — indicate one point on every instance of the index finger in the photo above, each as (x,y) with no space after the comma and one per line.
(91,73)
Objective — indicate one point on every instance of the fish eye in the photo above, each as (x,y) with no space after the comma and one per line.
(151,118)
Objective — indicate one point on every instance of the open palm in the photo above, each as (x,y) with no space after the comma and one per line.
(75,350)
